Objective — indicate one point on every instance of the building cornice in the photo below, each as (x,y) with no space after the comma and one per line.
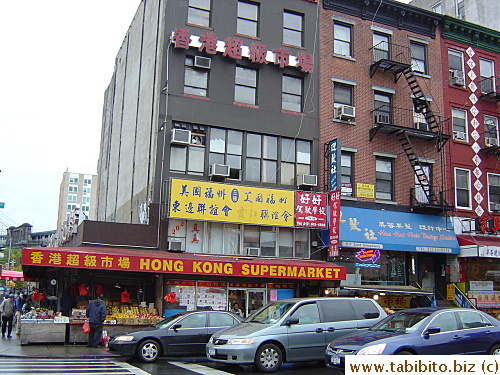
(471,34)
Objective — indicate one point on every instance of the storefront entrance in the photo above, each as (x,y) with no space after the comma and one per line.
(248,300)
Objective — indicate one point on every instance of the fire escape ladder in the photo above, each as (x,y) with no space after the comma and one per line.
(420,102)
(422,178)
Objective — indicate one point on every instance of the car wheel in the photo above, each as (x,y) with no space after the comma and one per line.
(495,350)
(148,351)
(404,352)
(268,358)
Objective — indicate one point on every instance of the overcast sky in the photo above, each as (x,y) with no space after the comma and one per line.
(57,60)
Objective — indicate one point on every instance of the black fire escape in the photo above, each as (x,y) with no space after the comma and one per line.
(490,90)
(425,125)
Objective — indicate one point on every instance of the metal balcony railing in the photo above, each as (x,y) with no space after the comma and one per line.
(490,88)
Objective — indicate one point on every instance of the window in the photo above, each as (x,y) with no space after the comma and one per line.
(461,9)
(383,108)
(71,198)
(494,191)
(491,130)
(226,148)
(456,67)
(337,311)
(342,34)
(199,12)
(380,47)
(86,190)
(189,158)
(384,179)
(245,88)
(221,320)
(342,94)
(71,207)
(306,314)
(73,180)
(487,71)
(291,97)
(198,320)
(73,189)
(459,124)
(248,18)
(462,188)
(292,28)
(436,8)
(85,199)
(446,321)
(295,160)
(87,181)
(347,175)
(195,79)
(473,319)
(418,57)
(421,182)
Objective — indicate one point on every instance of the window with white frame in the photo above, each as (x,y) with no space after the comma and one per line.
(437,8)
(461,9)
(226,147)
(347,174)
(491,131)
(342,39)
(384,185)
(291,95)
(342,94)
(487,71)
(292,28)
(494,191)
(459,124)
(73,180)
(245,85)
(199,12)
(462,188)
(73,189)
(71,198)
(418,57)
(381,46)
(247,21)
(456,67)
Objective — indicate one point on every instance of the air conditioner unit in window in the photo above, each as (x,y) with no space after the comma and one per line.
(307,180)
(421,126)
(494,206)
(175,246)
(345,112)
(202,62)
(181,136)
(459,135)
(457,77)
(491,141)
(382,119)
(219,170)
(252,251)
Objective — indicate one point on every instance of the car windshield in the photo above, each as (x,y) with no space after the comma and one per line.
(166,321)
(402,321)
(270,313)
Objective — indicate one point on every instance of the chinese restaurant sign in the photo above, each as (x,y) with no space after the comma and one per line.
(333,248)
(310,209)
(234,48)
(197,200)
(139,262)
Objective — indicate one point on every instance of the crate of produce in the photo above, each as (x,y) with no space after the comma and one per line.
(121,320)
(132,321)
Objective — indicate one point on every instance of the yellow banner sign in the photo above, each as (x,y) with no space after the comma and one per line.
(198,200)
(365,190)
(394,302)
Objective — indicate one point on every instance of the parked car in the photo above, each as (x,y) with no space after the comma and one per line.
(429,330)
(183,334)
(292,330)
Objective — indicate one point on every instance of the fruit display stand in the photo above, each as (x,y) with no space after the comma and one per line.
(42,327)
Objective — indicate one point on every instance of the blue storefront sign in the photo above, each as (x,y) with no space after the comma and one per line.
(334,161)
(398,231)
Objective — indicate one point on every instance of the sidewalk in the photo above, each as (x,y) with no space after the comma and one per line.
(13,348)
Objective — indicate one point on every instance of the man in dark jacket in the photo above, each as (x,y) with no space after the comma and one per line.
(96,312)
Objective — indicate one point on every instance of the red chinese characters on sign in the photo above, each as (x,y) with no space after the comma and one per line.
(258,53)
(182,38)
(305,62)
(333,248)
(233,48)
(208,43)
(489,224)
(310,209)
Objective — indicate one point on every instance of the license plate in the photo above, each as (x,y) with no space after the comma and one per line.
(211,351)
(335,360)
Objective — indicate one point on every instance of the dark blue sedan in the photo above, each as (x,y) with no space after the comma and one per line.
(430,330)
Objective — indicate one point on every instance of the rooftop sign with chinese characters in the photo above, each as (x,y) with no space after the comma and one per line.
(198,200)
(234,48)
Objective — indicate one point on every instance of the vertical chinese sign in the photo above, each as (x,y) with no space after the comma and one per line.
(334,164)
(333,248)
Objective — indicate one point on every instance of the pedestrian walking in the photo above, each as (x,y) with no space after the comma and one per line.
(8,311)
(96,313)
(18,304)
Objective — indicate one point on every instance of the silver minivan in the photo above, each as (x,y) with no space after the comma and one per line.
(292,330)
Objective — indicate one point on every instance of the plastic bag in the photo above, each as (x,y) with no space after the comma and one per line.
(86,327)
(104,338)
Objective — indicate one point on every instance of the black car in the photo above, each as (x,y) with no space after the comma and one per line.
(182,334)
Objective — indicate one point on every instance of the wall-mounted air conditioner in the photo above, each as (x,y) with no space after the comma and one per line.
(457,77)
(219,170)
(175,246)
(460,136)
(307,180)
(202,62)
(382,118)
(494,206)
(252,251)
(491,141)
(181,136)
(421,126)
(345,112)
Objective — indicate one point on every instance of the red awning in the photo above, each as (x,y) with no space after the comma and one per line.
(13,276)
(181,263)
(479,246)
(467,240)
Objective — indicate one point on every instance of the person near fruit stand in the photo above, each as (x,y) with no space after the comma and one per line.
(7,309)
(19,303)
(67,303)
(96,313)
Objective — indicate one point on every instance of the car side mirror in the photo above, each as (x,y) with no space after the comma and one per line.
(291,321)
(175,327)
(432,330)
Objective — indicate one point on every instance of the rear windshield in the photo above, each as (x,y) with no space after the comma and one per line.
(270,313)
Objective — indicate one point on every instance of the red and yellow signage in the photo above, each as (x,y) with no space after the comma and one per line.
(394,302)
(310,209)
(91,258)
(198,200)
